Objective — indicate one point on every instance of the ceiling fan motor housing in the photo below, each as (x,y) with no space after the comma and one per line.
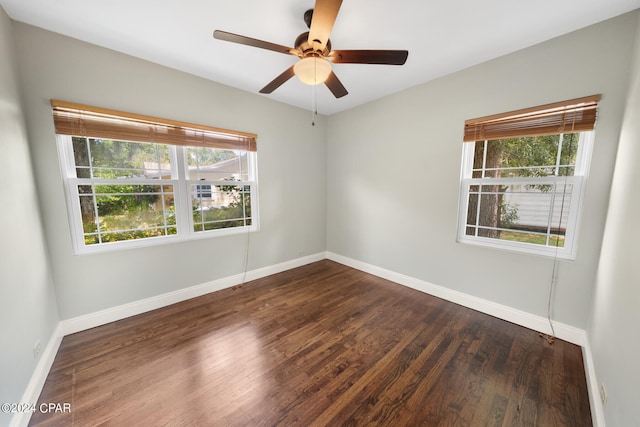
(306,49)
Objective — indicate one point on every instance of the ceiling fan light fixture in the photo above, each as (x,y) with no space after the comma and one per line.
(312,70)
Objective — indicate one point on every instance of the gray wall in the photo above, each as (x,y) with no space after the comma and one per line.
(613,328)
(291,170)
(394,171)
(27,301)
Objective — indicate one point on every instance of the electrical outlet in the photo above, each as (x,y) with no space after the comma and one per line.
(36,350)
(603,395)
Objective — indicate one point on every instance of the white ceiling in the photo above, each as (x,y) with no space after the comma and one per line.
(442,36)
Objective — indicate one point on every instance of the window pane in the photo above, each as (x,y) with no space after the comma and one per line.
(537,207)
(126,212)
(488,215)
(526,157)
(569,154)
(472,210)
(229,206)
(526,213)
(89,219)
(533,238)
(478,159)
(119,159)
(212,164)
(81,157)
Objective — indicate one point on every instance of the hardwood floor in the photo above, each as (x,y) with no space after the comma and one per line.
(319,345)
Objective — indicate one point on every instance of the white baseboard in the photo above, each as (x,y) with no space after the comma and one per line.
(39,376)
(123,311)
(597,410)
(519,317)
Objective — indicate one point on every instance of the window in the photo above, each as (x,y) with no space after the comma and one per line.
(221,183)
(203,192)
(523,176)
(137,191)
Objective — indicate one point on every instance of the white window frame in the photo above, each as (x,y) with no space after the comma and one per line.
(183,193)
(578,180)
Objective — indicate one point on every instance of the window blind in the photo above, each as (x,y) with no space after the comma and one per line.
(83,120)
(575,115)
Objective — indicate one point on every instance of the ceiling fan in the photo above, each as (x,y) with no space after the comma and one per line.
(314,50)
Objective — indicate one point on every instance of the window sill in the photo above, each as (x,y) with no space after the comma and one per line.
(526,248)
(160,240)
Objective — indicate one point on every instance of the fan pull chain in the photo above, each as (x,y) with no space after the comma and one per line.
(314,106)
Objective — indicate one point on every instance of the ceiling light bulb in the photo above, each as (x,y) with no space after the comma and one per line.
(312,70)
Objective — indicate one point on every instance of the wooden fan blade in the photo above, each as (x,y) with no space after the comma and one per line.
(335,86)
(324,16)
(278,81)
(235,38)
(384,57)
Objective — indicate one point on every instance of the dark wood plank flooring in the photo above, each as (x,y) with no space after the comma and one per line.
(319,345)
